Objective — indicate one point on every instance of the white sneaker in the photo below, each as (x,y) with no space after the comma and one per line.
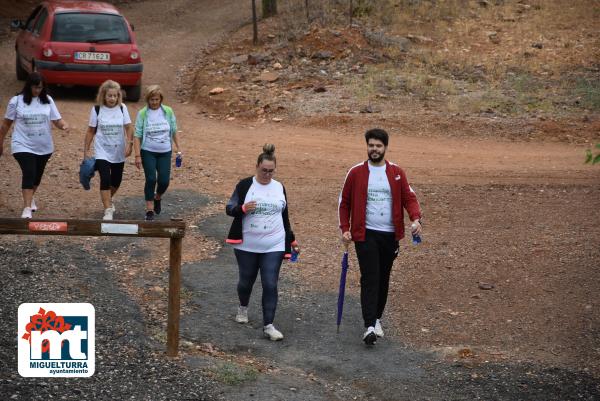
(370,337)
(378,330)
(272,333)
(26,213)
(108,214)
(33,205)
(242,314)
(112,206)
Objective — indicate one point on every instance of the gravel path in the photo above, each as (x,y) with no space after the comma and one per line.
(129,364)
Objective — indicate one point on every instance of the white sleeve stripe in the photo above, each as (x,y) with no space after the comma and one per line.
(340,197)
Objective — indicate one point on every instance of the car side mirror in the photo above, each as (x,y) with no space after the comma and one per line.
(16,24)
(132,27)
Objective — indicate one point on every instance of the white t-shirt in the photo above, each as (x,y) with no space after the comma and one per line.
(379,201)
(262,228)
(157,134)
(109,141)
(32,132)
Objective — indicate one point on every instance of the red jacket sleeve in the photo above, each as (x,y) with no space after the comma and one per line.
(409,199)
(344,207)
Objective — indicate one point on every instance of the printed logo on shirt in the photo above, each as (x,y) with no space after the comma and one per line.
(35,119)
(56,340)
(268,208)
(111,129)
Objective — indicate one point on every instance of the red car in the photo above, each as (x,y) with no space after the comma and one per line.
(79,43)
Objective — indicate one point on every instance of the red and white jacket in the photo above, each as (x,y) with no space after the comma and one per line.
(353,200)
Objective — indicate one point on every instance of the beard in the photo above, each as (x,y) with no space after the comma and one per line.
(376,157)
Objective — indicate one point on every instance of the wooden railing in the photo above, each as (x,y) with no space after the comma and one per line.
(174,230)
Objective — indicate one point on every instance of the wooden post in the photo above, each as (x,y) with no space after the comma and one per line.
(174,299)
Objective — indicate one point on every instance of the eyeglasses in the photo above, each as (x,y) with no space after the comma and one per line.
(267,170)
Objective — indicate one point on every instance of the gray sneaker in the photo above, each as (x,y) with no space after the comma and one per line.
(242,314)
(378,329)
(370,338)
(108,214)
(272,333)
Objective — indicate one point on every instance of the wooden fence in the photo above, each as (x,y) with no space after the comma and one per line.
(174,230)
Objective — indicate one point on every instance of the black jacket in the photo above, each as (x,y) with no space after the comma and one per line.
(234,209)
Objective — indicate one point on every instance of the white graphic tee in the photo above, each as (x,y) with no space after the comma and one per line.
(379,201)
(109,141)
(157,133)
(32,131)
(262,228)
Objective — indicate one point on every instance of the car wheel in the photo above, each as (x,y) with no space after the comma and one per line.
(133,93)
(21,73)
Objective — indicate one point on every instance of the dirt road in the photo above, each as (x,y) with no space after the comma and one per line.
(521,216)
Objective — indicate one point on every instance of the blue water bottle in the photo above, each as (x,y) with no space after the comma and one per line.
(178,159)
(416,238)
(294,257)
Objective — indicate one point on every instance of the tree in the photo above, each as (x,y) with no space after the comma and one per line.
(269,8)
(254,24)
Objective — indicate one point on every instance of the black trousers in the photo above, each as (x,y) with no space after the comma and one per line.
(32,167)
(376,255)
(111,174)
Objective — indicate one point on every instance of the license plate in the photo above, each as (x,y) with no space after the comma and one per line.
(92,56)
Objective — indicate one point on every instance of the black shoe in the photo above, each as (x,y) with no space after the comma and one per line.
(149,215)
(370,338)
(157,206)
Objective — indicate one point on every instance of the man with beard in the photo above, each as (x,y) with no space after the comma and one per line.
(371,213)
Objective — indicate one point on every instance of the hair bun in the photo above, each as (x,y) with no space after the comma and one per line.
(269,148)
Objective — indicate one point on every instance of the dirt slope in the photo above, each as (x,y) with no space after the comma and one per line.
(521,216)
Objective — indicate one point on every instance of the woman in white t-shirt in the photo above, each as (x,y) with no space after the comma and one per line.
(32,110)
(262,237)
(154,140)
(110,128)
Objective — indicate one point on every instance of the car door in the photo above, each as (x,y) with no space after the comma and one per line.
(25,45)
(37,38)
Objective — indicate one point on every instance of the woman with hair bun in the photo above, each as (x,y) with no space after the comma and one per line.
(261,236)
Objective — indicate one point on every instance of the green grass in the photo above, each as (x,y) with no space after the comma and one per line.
(233,374)
(588,90)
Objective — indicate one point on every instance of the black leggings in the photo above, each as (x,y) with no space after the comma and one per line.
(111,174)
(32,166)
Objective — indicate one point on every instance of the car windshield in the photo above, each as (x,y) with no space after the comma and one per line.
(86,27)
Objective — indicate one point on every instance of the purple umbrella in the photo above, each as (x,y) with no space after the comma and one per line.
(340,304)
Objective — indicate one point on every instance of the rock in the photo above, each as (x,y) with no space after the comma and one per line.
(493,37)
(345,110)
(369,109)
(277,66)
(323,55)
(239,59)
(419,39)
(216,91)
(486,286)
(483,3)
(254,58)
(320,89)
(268,76)
(277,119)
(537,45)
